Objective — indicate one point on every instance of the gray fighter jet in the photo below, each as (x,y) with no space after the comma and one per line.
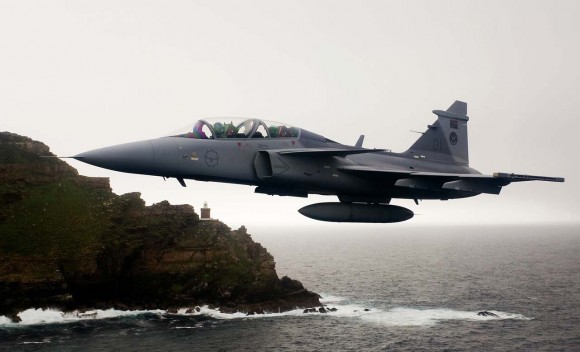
(288,161)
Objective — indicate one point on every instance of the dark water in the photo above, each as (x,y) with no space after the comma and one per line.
(423,288)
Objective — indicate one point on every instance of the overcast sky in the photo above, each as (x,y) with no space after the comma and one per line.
(79,75)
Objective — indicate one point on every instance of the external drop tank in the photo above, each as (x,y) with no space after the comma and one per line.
(356,212)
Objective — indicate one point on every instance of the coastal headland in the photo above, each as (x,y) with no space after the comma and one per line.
(68,242)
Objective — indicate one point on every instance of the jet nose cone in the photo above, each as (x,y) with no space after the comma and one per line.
(136,157)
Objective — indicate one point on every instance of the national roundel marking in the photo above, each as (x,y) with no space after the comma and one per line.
(211,158)
(453,138)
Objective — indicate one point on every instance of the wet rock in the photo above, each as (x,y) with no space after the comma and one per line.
(228,310)
(121,306)
(321,310)
(102,305)
(14,317)
(290,284)
(485,313)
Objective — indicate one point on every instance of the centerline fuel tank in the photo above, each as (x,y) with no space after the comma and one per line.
(356,212)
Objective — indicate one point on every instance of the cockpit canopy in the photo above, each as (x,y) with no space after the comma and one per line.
(218,128)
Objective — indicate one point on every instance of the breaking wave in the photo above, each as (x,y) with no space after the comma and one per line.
(345,308)
(51,316)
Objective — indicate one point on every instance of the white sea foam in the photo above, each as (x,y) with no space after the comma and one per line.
(50,316)
(327,298)
(408,316)
(216,314)
(396,316)
(36,342)
(402,316)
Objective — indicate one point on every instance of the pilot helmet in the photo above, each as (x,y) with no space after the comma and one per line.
(219,129)
(273,131)
(294,131)
(231,130)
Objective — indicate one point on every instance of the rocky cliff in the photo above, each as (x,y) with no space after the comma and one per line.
(68,241)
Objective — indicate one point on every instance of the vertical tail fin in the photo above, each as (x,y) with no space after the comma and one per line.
(446,139)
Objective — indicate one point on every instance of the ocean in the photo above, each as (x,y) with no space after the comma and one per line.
(395,288)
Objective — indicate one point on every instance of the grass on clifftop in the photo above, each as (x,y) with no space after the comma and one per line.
(59,216)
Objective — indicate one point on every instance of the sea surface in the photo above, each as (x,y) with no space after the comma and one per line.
(395,288)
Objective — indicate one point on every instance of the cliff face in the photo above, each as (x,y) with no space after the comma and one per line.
(67,240)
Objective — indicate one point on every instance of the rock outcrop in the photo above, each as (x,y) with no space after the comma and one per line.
(68,241)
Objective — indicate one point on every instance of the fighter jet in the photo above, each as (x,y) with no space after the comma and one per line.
(283,160)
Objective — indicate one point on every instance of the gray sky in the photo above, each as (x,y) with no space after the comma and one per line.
(79,75)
